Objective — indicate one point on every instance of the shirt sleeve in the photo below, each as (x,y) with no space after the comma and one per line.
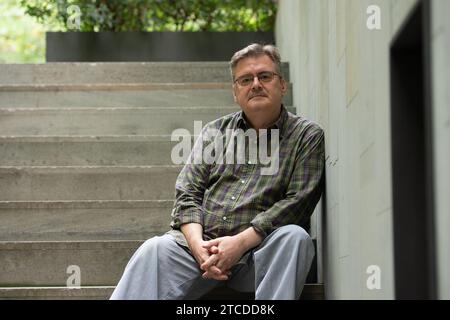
(304,189)
(190,187)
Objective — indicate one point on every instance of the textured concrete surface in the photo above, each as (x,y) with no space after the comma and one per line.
(340,73)
(83,220)
(56,293)
(441,119)
(118,72)
(86,150)
(85,169)
(46,263)
(340,76)
(310,292)
(105,121)
(88,183)
(178,95)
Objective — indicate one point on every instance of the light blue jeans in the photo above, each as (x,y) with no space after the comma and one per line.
(161,269)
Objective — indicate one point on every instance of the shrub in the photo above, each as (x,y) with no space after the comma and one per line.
(157,15)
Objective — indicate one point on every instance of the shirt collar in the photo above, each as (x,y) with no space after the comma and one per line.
(280,124)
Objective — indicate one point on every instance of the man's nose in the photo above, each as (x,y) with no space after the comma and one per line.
(256,84)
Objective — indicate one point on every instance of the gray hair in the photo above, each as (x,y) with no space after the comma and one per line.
(256,50)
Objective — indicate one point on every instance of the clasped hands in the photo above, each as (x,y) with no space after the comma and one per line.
(216,257)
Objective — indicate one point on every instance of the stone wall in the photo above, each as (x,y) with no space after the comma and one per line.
(340,74)
(440,30)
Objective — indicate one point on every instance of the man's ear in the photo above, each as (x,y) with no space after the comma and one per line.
(234,95)
(284,86)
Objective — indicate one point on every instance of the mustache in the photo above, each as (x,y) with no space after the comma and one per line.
(257,94)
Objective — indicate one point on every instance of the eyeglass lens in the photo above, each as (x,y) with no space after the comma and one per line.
(265,76)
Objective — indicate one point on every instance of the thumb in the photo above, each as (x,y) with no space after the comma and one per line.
(213,250)
(210,243)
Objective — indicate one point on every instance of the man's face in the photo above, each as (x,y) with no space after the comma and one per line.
(258,96)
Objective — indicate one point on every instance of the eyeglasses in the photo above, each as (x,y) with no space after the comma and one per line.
(265,77)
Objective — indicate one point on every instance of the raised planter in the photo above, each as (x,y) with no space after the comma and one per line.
(148,46)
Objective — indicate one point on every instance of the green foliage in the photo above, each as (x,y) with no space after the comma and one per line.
(157,15)
(22,40)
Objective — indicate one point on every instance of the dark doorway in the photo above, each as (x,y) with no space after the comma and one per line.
(412,158)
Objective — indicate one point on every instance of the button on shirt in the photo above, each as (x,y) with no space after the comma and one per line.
(228,198)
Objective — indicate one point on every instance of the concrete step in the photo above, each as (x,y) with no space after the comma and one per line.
(146,95)
(83,220)
(46,263)
(86,150)
(118,72)
(105,121)
(56,293)
(310,292)
(87,183)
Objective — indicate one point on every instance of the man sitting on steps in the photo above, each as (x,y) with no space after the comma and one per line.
(234,224)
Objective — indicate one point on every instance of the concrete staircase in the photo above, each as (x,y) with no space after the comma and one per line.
(85,168)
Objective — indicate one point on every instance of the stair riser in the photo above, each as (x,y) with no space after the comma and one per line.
(92,99)
(83,224)
(99,263)
(104,122)
(82,184)
(86,153)
(62,73)
(120,99)
(46,263)
(52,293)
(310,292)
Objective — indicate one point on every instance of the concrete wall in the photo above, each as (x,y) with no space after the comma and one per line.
(441,124)
(340,74)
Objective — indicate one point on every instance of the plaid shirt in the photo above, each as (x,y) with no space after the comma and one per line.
(228,198)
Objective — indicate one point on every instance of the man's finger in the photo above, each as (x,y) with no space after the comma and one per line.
(210,243)
(214,250)
(212,260)
(209,275)
(215,270)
